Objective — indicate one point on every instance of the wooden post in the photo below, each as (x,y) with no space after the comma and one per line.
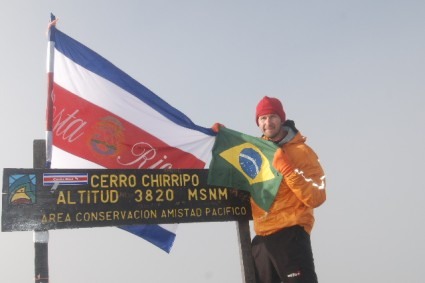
(41,238)
(248,271)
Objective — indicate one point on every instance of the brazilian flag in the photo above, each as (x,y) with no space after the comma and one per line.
(244,162)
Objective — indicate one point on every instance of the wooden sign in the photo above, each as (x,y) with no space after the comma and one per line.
(44,199)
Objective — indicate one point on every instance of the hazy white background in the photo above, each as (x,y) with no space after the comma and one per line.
(350,73)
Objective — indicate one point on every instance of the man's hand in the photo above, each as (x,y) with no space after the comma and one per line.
(216,127)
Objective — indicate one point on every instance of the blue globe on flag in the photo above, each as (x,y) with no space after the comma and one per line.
(250,162)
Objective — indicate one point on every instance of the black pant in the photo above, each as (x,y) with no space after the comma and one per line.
(284,256)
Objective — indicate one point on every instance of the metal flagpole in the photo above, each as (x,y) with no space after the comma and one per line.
(50,94)
(42,158)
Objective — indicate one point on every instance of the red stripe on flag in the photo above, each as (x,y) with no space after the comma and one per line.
(92,133)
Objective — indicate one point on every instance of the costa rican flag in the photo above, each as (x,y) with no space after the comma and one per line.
(68,179)
(100,117)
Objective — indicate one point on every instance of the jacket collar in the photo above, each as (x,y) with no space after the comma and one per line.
(289,136)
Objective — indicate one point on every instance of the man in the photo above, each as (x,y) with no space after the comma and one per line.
(281,248)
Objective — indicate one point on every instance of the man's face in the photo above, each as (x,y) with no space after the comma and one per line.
(271,126)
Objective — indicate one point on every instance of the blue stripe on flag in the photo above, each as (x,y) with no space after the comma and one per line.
(155,234)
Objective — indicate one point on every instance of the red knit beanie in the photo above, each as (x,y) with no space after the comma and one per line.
(270,105)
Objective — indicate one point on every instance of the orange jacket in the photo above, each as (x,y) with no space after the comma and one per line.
(299,192)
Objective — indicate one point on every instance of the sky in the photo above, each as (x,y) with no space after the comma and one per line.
(350,73)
